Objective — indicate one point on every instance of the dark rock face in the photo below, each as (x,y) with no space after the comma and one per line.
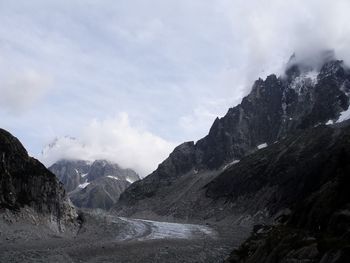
(93,185)
(26,182)
(178,163)
(70,173)
(276,107)
(255,121)
(309,173)
(101,193)
(294,167)
(102,168)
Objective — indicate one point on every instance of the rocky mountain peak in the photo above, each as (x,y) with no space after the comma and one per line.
(102,168)
(309,61)
(95,184)
(308,94)
(26,182)
(180,160)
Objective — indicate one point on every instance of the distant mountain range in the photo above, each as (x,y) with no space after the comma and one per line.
(95,184)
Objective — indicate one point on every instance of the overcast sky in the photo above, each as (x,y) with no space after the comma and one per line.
(131,79)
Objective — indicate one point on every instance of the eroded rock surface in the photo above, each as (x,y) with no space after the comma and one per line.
(95,184)
(25,182)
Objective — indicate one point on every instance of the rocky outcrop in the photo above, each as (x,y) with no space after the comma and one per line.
(95,184)
(293,169)
(71,172)
(309,174)
(24,181)
(103,168)
(101,193)
(276,107)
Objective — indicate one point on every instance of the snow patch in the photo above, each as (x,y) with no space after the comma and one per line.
(129,180)
(230,164)
(83,185)
(83,175)
(330,122)
(345,115)
(261,146)
(305,79)
(117,178)
(113,177)
(312,75)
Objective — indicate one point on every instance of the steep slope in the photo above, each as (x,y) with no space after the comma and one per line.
(93,185)
(101,193)
(70,172)
(25,182)
(103,168)
(285,172)
(276,107)
(307,177)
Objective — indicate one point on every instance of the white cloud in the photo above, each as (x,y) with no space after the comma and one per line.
(197,123)
(200,119)
(268,32)
(20,90)
(164,62)
(114,139)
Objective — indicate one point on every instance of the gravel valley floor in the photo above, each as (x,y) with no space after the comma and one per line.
(107,238)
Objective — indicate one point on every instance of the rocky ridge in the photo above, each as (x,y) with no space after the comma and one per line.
(303,181)
(26,185)
(95,184)
(276,107)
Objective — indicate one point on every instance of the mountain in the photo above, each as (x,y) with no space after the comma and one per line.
(102,192)
(70,173)
(103,168)
(95,184)
(279,161)
(276,107)
(303,181)
(27,185)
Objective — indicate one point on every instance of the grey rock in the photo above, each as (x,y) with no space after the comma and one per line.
(95,184)
(102,193)
(26,182)
(275,108)
(102,168)
(70,172)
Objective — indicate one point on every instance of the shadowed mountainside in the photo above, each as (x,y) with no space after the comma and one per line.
(25,182)
(307,176)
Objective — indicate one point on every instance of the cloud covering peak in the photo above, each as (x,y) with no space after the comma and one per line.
(113,139)
(67,66)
